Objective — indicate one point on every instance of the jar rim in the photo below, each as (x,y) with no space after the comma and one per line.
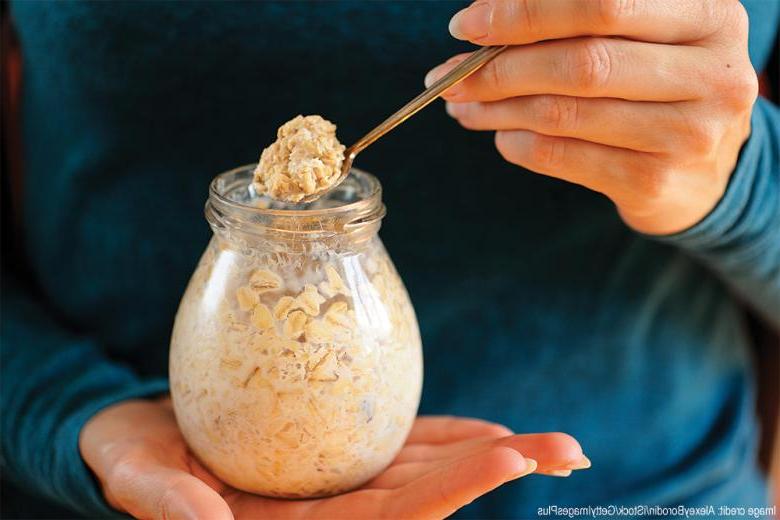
(330,214)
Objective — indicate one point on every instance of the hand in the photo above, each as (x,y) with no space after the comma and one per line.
(645,101)
(144,467)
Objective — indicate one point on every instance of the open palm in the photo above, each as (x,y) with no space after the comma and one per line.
(145,468)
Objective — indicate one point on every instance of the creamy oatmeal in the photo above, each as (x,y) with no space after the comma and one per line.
(296,375)
(304,160)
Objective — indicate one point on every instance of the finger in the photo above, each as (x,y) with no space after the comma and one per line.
(399,475)
(436,452)
(619,173)
(445,490)
(446,429)
(550,450)
(147,490)
(587,67)
(516,22)
(636,125)
(434,494)
(561,464)
(556,473)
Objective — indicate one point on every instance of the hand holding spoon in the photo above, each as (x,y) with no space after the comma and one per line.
(459,73)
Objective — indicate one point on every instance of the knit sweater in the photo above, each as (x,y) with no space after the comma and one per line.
(539,308)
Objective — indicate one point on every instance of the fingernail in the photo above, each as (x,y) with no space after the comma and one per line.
(559,473)
(530,467)
(583,463)
(473,22)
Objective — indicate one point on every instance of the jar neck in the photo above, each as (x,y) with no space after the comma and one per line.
(349,214)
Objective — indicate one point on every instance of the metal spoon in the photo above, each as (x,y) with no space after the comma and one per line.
(459,73)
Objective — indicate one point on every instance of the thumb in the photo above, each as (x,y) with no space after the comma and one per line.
(153,491)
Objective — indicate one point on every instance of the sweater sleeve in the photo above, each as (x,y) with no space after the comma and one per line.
(740,238)
(53,381)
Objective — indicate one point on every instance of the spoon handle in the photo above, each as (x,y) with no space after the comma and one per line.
(459,73)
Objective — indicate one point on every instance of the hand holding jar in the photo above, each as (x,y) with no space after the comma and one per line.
(645,102)
(295,372)
(144,467)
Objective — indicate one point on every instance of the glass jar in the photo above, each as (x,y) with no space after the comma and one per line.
(295,363)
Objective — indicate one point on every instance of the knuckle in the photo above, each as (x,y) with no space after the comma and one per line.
(702,138)
(737,19)
(524,14)
(711,14)
(122,474)
(557,112)
(612,12)
(741,89)
(540,152)
(653,180)
(169,500)
(447,486)
(735,88)
(546,153)
(590,64)
(496,74)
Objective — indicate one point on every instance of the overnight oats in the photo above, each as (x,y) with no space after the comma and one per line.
(295,363)
(305,160)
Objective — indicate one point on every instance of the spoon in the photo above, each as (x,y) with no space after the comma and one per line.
(456,75)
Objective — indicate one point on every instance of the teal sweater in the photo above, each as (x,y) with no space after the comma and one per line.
(539,309)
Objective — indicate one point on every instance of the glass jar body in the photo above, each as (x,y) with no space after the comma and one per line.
(295,372)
